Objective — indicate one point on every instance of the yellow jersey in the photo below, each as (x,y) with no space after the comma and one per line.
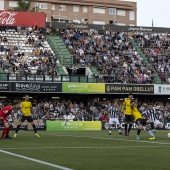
(26,108)
(136,114)
(127,107)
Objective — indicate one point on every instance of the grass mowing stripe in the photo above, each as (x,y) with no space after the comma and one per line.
(36,160)
(95,137)
(68,147)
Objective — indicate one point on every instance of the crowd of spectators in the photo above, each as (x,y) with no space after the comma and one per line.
(156,48)
(28,54)
(91,110)
(111,52)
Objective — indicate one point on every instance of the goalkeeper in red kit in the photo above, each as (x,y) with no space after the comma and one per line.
(4,113)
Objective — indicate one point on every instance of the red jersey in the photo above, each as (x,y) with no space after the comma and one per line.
(6,111)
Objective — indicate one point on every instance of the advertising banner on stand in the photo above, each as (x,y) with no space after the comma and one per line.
(23,19)
(105,125)
(83,88)
(4,86)
(36,87)
(162,89)
(40,125)
(127,88)
(73,125)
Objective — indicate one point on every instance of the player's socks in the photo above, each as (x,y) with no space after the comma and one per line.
(119,130)
(110,131)
(4,132)
(138,132)
(130,126)
(17,129)
(7,133)
(125,129)
(34,128)
(126,132)
(150,133)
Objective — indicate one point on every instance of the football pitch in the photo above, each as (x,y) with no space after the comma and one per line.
(87,150)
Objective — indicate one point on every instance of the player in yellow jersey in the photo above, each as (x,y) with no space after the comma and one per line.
(126,109)
(26,115)
(140,121)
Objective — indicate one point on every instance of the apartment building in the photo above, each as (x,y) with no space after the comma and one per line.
(100,12)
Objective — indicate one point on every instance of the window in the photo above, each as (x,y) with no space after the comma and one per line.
(62,8)
(52,7)
(13,4)
(76,8)
(2,5)
(131,15)
(85,9)
(112,11)
(121,24)
(41,5)
(99,10)
(121,12)
(99,22)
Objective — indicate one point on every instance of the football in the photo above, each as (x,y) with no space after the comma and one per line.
(169,135)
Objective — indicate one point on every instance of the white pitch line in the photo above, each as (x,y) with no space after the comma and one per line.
(95,137)
(36,160)
(77,147)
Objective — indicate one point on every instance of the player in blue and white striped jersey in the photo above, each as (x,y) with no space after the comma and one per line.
(113,117)
(152,114)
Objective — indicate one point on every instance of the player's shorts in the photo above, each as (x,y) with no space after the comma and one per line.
(28,118)
(156,123)
(141,121)
(113,120)
(128,118)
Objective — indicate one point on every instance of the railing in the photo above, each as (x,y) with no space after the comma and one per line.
(47,78)
(65,78)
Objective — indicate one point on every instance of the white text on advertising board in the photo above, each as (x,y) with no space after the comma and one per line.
(7,18)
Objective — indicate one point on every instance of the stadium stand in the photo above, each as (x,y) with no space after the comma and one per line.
(27,52)
(156,50)
(110,57)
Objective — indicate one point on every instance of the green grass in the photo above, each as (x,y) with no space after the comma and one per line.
(88,150)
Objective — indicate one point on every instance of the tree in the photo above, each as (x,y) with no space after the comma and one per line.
(25,6)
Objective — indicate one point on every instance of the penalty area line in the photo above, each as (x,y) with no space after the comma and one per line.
(35,160)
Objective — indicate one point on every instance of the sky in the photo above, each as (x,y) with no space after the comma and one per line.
(159,10)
